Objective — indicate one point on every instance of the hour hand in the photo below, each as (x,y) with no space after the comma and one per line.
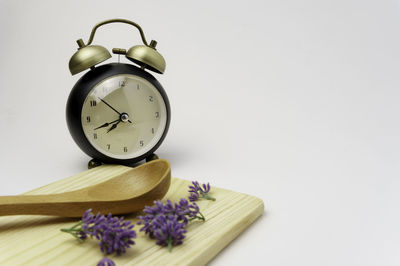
(113,126)
(106,124)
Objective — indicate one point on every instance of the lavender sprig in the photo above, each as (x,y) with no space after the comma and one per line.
(184,211)
(115,234)
(188,211)
(200,191)
(169,231)
(166,222)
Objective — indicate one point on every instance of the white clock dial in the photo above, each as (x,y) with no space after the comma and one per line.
(124,116)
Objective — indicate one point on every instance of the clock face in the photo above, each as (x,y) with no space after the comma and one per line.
(124,116)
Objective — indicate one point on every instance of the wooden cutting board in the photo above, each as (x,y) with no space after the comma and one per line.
(37,240)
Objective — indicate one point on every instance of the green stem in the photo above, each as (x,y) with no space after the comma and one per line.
(68,230)
(73,234)
(206,196)
(73,230)
(169,241)
(77,224)
(201,216)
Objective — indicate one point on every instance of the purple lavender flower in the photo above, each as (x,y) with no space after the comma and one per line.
(172,218)
(114,234)
(187,211)
(184,211)
(151,213)
(106,262)
(169,231)
(199,191)
(92,224)
(193,196)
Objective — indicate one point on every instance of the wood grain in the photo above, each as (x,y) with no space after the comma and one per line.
(36,240)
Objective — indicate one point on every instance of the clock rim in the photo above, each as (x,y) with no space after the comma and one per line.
(78,96)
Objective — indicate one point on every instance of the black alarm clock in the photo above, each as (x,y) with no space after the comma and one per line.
(117,112)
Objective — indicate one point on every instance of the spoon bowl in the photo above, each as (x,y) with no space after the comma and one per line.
(125,193)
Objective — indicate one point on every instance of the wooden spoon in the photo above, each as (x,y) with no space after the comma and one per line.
(125,193)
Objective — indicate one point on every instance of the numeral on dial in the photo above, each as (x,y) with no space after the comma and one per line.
(88,119)
(157,114)
(125,149)
(141,143)
(151,98)
(95,135)
(122,83)
(152,130)
(108,146)
(93,103)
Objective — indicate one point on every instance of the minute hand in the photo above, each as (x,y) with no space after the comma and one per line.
(112,108)
(109,106)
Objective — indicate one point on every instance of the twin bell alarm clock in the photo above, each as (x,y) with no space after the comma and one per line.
(117,112)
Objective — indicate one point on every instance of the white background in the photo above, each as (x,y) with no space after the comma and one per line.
(295,102)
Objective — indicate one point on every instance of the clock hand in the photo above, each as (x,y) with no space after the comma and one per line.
(106,124)
(113,126)
(109,106)
(112,108)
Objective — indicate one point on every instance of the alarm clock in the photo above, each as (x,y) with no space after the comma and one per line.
(118,113)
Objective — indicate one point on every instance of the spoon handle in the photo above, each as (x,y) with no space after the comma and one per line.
(52,204)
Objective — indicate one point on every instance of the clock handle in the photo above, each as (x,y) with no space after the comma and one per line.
(113,21)
(87,56)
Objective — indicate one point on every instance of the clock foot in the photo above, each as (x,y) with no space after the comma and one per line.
(94,163)
(151,157)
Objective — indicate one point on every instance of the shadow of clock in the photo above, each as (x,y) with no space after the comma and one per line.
(175,156)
